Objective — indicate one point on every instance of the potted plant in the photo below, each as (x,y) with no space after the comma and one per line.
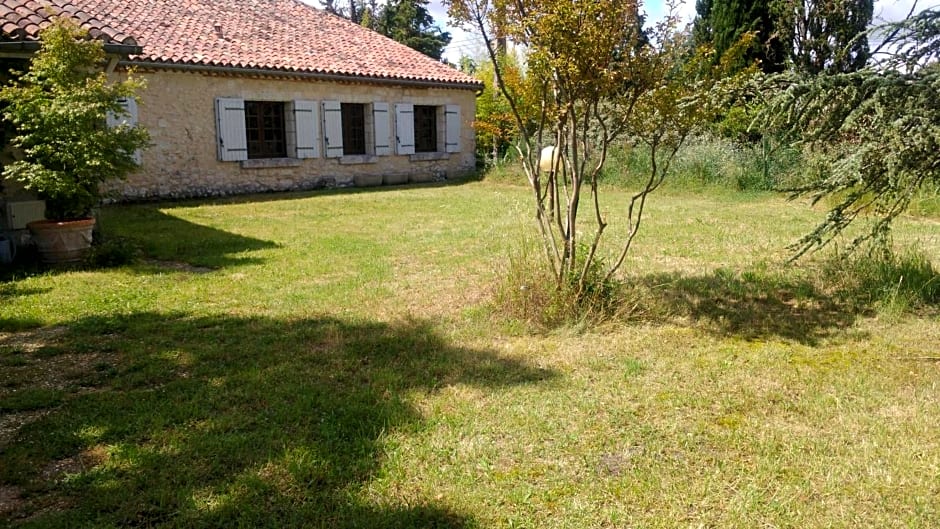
(59,110)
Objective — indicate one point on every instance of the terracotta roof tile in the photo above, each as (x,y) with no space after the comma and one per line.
(284,35)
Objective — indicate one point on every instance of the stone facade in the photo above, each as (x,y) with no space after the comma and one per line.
(179,110)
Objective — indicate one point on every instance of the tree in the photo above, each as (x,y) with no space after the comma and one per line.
(595,76)
(409,22)
(353,12)
(495,125)
(873,134)
(405,21)
(825,35)
(721,24)
(59,109)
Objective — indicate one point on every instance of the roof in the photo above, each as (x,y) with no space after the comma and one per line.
(268,35)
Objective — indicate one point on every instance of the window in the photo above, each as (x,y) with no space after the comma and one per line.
(264,129)
(267,129)
(354,128)
(425,128)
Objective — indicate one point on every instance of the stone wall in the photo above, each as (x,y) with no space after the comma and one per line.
(178,108)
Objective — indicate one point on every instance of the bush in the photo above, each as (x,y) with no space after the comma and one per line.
(527,293)
(59,109)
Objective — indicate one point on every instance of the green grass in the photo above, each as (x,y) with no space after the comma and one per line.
(333,360)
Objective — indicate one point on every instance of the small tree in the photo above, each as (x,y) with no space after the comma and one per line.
(579,56)
(873,135)
(59,109)
(596,76)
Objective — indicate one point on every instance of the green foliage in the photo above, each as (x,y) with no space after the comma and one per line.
(59,109)
(495,124)
(407,22)
(720,24)
(707,161)
(825,35)
(872,135)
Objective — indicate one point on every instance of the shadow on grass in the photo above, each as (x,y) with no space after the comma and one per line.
(13,290)
(747,305)
(195,421)
(171,240)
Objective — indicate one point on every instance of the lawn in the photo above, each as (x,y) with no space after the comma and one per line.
(333,360)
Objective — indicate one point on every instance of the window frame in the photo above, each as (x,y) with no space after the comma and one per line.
(355,129)
(426,137)
(264,119)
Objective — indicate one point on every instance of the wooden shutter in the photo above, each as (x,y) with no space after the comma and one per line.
(333,128)
(128,118)
(307,124)
(382,129)
(452,128)
(405,128)
(230,122)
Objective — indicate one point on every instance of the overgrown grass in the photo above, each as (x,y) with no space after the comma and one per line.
(334,360)
(529,295)
(704,161)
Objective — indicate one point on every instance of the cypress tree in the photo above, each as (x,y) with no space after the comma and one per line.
(824,35)
(722,23)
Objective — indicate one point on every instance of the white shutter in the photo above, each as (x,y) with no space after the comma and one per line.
(405,128)
(128,118)
(382,126)
(307,123)
(230,123)
(129,115)
(333,128)
(452,128)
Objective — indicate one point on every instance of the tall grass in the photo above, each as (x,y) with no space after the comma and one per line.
(894,282)
(528,295)
(705,161)
(926,203)
(710,161)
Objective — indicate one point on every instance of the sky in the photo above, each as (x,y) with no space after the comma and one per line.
(464,43)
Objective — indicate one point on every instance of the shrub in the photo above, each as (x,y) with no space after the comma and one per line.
(59,109)
(528,293)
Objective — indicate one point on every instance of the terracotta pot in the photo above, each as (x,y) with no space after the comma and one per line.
(62,242)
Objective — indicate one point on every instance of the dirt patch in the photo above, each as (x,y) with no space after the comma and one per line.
(33,340)
(10,423)
(81,462)
(10,499)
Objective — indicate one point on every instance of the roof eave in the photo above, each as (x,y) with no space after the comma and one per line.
(322,76)
(25,48)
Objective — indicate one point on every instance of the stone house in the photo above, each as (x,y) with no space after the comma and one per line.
(266,95)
